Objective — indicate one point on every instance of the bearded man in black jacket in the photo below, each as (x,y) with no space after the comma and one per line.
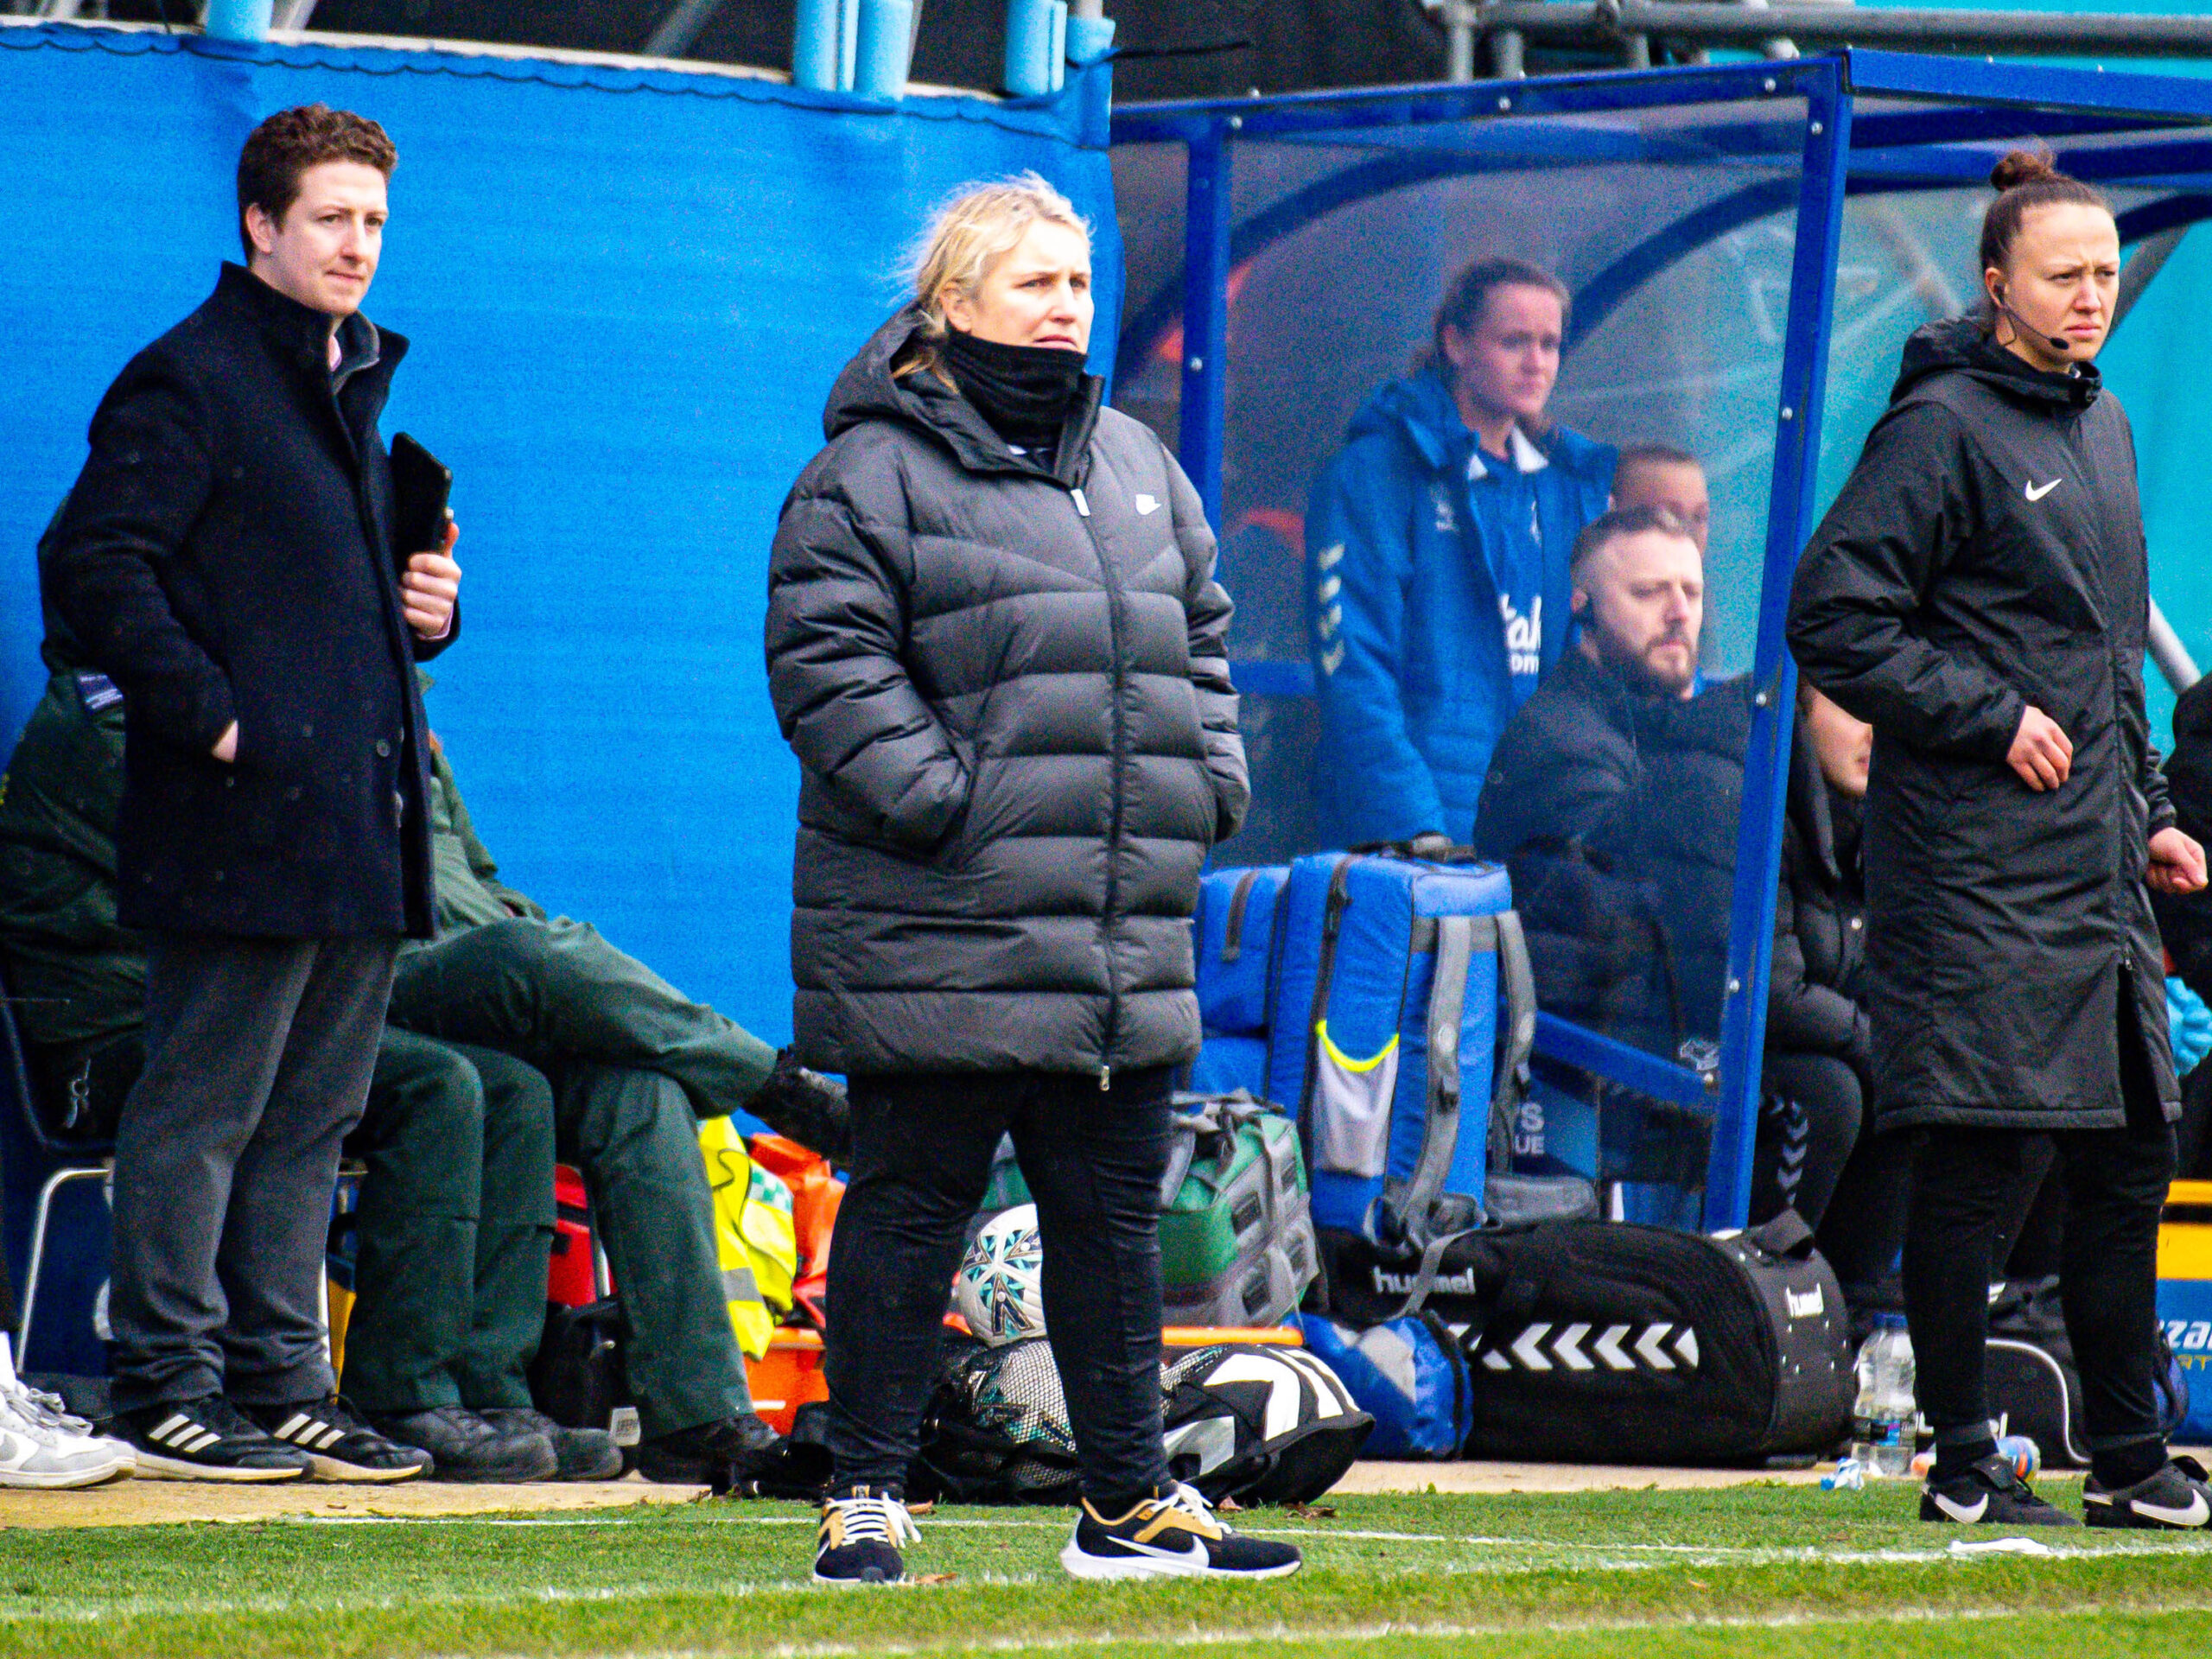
(1613,799)
(228,557)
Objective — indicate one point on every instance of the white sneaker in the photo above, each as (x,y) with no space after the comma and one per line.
(51,1411)
(42,1446)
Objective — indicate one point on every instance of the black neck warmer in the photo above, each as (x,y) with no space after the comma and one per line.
(1024,391)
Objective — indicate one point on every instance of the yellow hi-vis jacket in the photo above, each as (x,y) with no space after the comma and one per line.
(753,1238)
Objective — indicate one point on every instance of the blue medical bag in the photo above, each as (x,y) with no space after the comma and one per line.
(1383,1018)
(1235,929)
(1405,1373)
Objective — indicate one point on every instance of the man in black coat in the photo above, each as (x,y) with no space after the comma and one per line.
(1613,797)
(228,557)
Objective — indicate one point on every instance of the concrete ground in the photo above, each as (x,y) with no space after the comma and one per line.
(148,1502)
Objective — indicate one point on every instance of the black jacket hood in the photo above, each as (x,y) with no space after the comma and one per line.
(1962,346)
(2193,716)
(1808,804)
(868,390)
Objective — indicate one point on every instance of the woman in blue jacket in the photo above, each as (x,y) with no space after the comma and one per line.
(1440,537)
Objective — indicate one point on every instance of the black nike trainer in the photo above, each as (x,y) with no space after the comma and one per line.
(1988,1493)
(2177,1498)
(1174,1534)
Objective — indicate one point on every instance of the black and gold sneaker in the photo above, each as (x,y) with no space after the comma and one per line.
(1174,1534)
(861,1535)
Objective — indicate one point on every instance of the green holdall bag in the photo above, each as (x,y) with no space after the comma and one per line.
(1236,1226)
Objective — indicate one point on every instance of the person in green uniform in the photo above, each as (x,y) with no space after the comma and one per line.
(513,1031)
(633,1065)
(455,1211)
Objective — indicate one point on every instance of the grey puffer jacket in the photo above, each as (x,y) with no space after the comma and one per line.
(1007,688)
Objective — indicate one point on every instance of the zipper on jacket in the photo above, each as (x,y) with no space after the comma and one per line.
(1120,746)
(2072,440)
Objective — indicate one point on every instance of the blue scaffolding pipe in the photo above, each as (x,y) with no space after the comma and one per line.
(1774,674)
(1609,1057)
(1206,314)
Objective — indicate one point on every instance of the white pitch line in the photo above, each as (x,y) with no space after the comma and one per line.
(1607,1552)
(1281,1633)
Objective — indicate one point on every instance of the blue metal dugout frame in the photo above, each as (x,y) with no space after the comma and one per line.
(1931,125)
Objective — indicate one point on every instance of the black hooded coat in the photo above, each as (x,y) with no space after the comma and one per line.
(1820,923)
(1986,555)
(1008,687)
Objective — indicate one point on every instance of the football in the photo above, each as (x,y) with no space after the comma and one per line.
(999,1288)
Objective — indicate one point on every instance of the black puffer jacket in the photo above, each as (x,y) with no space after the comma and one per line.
(1009,693)
(1987,554)
(1820,923)
(2186,920)
(1616,811)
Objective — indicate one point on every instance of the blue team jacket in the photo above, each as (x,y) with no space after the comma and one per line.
(1437,590)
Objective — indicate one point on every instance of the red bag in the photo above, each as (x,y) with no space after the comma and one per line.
(572,1276)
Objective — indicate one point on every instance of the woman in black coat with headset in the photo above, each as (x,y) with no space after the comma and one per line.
(1979,594)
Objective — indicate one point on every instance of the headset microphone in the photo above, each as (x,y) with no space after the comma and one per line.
(2056,342)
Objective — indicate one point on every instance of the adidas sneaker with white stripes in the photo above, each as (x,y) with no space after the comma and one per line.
(206,1439)
(338,1443)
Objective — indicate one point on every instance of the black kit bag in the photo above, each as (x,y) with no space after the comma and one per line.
(1605,1342)
(1256,1423)
(2034,1387)
(580,1378)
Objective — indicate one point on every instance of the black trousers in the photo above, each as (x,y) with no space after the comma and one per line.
(258,1054)
(1969,1189)
(1808,1123)
(1094,1159)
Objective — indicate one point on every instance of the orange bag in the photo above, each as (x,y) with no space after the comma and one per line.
(815,1194)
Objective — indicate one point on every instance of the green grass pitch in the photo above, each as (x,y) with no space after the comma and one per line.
(1749,1571)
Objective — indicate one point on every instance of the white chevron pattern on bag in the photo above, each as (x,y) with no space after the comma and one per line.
(1659,1347)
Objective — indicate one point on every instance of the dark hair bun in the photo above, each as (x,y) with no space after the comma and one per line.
(2024,167)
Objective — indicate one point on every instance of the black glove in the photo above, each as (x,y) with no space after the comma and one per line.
(806,1107)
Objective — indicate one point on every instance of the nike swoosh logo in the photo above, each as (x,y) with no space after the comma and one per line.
(1195,1554)
(2196,1515)
(1968,1513)
(2035,494)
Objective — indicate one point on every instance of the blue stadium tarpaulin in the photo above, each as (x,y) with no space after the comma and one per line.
(628,288)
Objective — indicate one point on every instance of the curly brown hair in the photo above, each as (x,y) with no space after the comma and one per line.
(283,148)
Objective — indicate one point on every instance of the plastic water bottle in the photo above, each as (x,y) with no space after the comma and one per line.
(1883,1439)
